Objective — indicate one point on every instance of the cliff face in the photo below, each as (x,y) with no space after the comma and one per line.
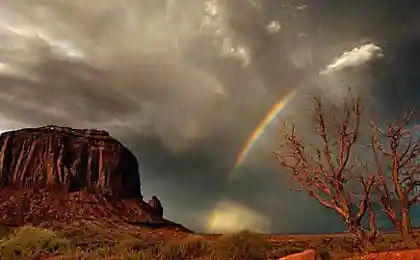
(57,174)
(68,160)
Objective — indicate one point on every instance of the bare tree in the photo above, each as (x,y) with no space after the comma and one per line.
(329,171)
(398,172)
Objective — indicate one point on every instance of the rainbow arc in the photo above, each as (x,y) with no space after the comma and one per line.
(262,126)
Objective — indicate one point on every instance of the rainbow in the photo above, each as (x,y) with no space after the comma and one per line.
(259,130)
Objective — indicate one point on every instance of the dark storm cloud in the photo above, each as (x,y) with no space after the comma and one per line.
(397,80)
(184,92)
(66,91)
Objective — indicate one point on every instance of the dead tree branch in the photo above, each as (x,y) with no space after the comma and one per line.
(325,172)
(399,182)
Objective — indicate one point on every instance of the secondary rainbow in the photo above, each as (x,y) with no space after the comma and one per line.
(259,130)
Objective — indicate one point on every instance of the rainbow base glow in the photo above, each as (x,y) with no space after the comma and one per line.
(259,130)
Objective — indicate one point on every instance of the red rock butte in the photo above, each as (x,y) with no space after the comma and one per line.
(59,173)
(68,160)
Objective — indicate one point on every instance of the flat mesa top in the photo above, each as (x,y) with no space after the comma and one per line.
(88,133)
(91,132)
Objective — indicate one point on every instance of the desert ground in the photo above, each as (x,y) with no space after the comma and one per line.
(94,240)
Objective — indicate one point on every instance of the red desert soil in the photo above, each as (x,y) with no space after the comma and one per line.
(397,255)
(305,255)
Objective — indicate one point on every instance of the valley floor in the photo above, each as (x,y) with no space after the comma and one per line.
(90,240)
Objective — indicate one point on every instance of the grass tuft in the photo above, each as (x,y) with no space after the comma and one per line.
(91,242)
(28,241)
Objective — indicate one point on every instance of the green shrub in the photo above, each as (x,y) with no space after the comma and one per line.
(29,241)
(242,245)
(192,247)
(130,244)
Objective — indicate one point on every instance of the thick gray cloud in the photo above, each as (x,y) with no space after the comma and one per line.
(183,83)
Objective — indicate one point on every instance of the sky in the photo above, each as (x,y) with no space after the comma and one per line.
(184,83)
